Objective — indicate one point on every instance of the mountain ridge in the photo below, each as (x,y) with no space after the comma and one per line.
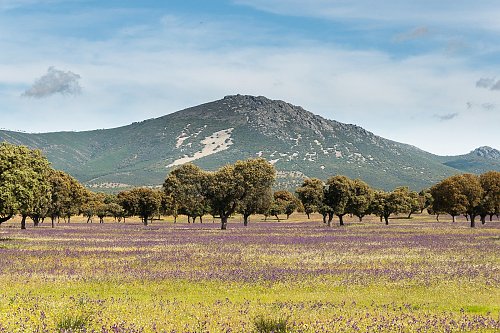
(298,142)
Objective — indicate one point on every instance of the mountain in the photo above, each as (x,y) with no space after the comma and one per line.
(479,160)
(296,141)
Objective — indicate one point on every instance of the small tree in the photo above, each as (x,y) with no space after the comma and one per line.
(414,201)
(446,198)
(387,203)
(258,177)
(338,195)
(186,185)
(285,202)
(142,202)
(361,199)
(311,195)
(472,192)
(253,204)
(490,201)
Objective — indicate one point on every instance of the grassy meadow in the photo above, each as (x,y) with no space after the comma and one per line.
(296,275)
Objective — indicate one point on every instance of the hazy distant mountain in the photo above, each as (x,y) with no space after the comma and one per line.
(296,141)
(479,160)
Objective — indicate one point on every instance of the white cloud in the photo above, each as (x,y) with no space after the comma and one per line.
(55,82)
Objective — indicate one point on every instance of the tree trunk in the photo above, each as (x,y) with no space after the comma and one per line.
(341,219)
(483,218)
(360,218)
(466,217)
(36,221)
(23,222)
(189,219)
(223,222)
(409,215)
(491,217)
(145,220)
(277,217)
(308,216)
(245,219)
(175,218)
(201,219)
(287,216)
(386,218)
(472,221)
(381,216)
(52,220)
(437,217)
(330,218)
(453,218)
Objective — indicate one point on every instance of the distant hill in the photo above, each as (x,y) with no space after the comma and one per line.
(479,160)
(296,141)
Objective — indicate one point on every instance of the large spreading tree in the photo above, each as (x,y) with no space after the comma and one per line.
(24,185)
(230,186)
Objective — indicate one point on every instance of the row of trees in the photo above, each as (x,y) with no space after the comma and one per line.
(342,195)
(468,195)
(31,188)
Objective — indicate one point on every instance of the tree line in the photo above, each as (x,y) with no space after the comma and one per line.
(31,188)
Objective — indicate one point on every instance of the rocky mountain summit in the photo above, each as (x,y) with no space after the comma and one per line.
(486,152)
(298,142)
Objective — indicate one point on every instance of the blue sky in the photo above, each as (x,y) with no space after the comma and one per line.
(422,72)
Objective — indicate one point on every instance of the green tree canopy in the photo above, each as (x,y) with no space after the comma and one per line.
(385,204)
(24,185)
(311,195)
(186,186)
(490,201)
(258,177)
(142,202)
(361,199)
(229,187)
(284,203)
(459,194)
(339,193)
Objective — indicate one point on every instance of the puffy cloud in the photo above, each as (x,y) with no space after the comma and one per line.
(55,82)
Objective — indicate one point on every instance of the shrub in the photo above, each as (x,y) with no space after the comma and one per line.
(271,325)
(72,323)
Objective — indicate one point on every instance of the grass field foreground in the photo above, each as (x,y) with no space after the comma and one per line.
(411,276)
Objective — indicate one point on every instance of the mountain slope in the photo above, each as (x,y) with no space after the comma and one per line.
(298,142)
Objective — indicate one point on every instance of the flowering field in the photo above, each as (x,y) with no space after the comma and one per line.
(410,276)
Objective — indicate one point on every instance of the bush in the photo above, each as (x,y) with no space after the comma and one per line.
(271,325)
(72,323)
